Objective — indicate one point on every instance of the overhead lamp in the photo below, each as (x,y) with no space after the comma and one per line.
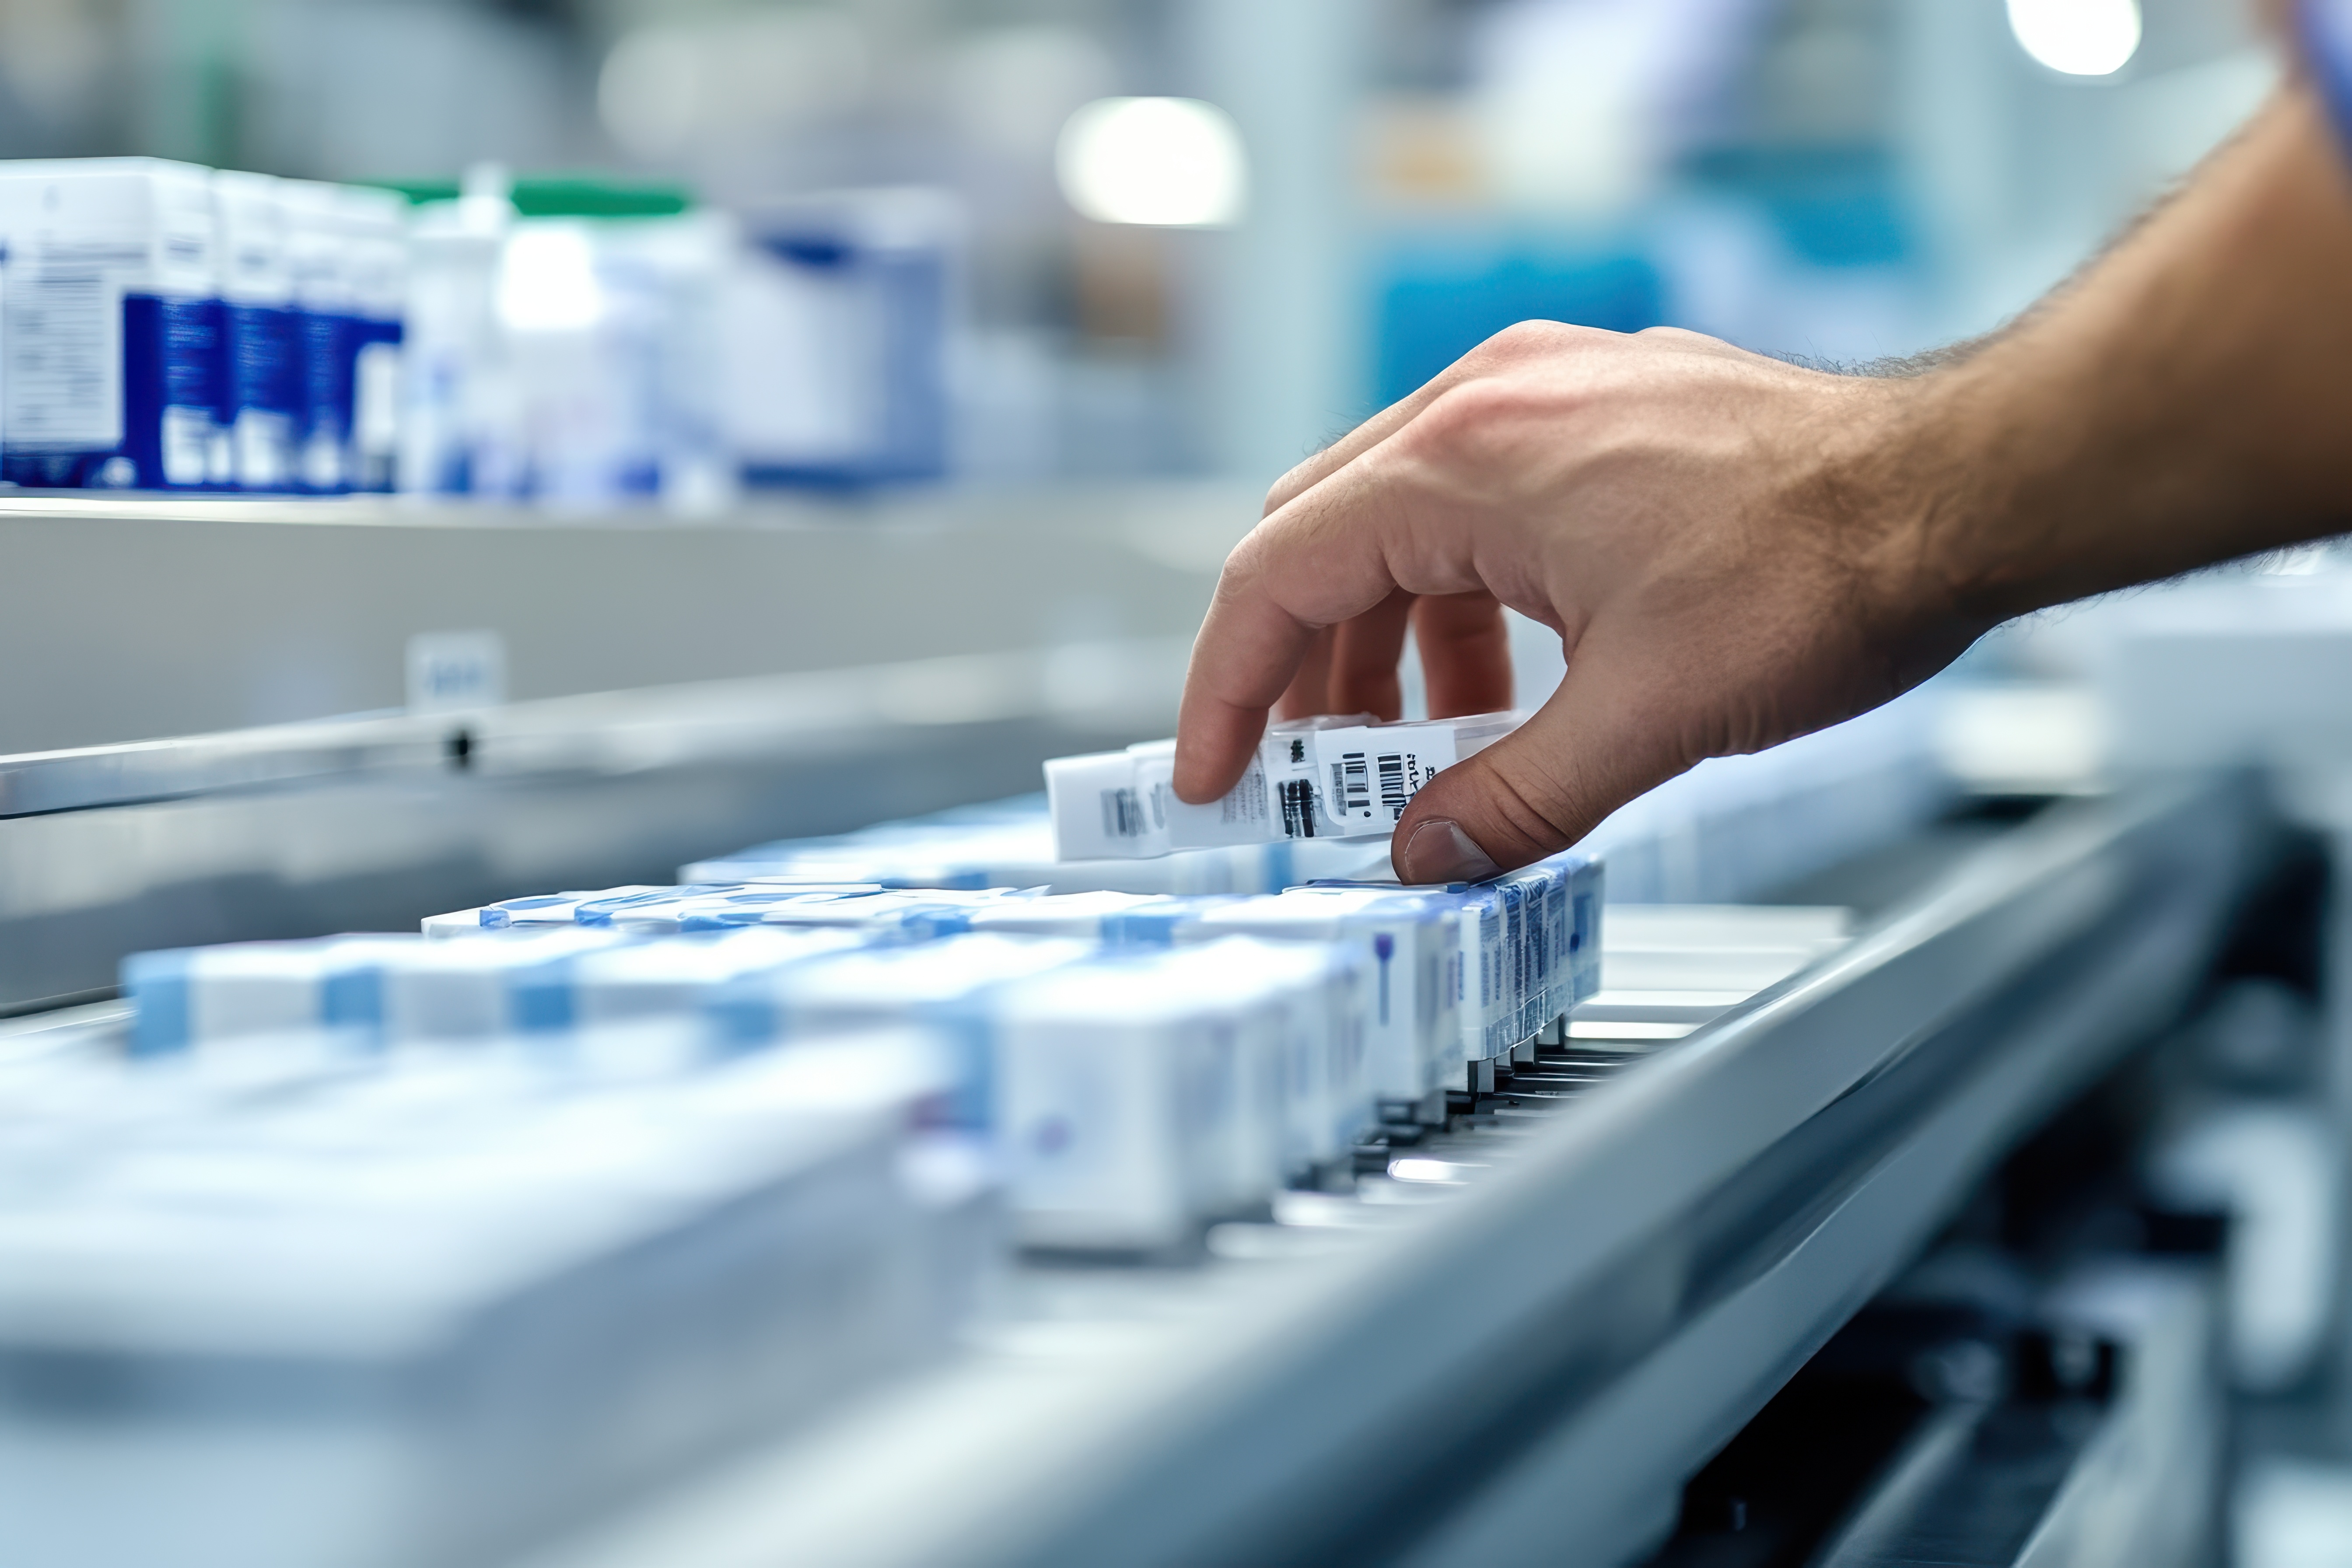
(1171,162)
(2077,38)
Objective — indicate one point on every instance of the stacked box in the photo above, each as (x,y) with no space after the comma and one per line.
(414,1316)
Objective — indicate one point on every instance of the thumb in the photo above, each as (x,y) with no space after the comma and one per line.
(1585,752)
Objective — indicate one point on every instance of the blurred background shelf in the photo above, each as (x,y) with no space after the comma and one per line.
(127,620)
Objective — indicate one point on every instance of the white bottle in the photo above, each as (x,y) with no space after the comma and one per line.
(459,427)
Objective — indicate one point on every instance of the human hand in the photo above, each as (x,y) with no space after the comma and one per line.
(1735,551)
(1731,548)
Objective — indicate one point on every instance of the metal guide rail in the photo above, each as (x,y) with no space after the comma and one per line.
(1517,1338)
(361,824)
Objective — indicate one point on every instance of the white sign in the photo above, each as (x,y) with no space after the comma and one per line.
(450,670)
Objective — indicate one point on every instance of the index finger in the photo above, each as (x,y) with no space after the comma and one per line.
(1320,560)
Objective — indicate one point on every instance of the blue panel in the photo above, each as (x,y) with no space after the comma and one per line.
(1432,310)
(1834,206)
(157,985)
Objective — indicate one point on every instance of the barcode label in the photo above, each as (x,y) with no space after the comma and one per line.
(1298,808)
(1394,796)
(1122,814)
(1351,781)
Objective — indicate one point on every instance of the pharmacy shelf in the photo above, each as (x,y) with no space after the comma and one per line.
(369,824)
(1527,1355)
(150,617)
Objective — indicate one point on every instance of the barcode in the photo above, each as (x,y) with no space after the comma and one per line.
(1122,814)
(1354,780)
(1393,795)
(1298,808)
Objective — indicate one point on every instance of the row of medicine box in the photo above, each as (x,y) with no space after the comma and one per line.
(170,327)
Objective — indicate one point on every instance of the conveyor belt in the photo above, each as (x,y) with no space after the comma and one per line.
(1516,1345)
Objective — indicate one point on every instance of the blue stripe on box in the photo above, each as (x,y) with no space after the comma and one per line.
(157,985)
(541,998)
(600,911)
(743,1015)
(353,998)
(1143,928)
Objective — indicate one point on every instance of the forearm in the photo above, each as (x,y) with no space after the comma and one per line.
(2186,400)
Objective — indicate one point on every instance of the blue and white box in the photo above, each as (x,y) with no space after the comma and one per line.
(112,351)
(1010,844)
(1489,1007)
(1310,998)
(346,254)
(1130,1096)
(375,271)
(318,261)
(261,371)
(1123,1120)
(420,1319)
(188,997)
(934,984)
(837,357)
(1413,1026)
(661,981)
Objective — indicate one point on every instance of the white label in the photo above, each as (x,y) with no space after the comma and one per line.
(1242,816)
(375,399)
(322,461)
(1369,775)
(455,669)
(265,449)
(187,444)
(64,361)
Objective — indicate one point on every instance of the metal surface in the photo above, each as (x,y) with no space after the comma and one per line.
(129,619)
(370,824)
(1529,1373)
(2129,1482)
(2147,1492)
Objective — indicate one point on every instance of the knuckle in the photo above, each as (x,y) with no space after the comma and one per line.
(1471,427)
(1533,337)
(1247,559)
(1464,411)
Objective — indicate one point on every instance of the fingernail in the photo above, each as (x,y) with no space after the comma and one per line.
(1439,851)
